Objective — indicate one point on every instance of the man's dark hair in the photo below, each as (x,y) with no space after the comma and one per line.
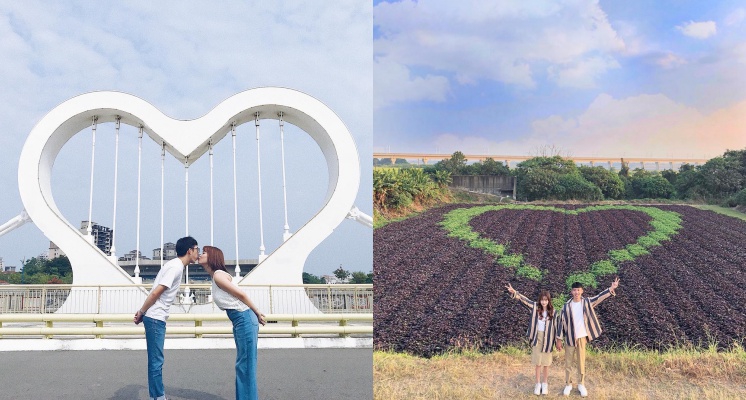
(184,244)
(577,285)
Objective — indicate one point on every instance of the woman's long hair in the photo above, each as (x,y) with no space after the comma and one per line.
(550,307)
(215,258)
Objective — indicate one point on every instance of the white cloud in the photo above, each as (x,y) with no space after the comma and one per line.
(698,30)
(644,125)
(508,42)
(394,83)
(669,61)
(583,73)
(735,17)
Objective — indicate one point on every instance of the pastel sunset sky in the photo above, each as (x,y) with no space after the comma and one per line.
(592,78)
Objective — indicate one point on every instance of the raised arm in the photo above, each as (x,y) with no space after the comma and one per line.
(530,304)
(595,300)
(224,282)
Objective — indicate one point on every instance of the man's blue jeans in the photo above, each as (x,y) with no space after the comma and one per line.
(245,333)
(155,337)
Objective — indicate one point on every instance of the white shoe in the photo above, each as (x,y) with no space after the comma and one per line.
(583,392)
(537,389)
(567,390)
(544,388)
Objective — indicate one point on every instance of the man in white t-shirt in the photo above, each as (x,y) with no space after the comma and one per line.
(154,311)
(578,325)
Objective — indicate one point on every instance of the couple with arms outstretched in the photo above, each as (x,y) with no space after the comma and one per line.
(242,312)
(574,326)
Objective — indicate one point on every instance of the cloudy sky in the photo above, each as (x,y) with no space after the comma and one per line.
(592,78)
(185,58)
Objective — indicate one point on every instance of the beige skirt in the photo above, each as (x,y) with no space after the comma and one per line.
(537,357)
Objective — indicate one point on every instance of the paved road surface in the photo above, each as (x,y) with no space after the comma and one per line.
(188,374)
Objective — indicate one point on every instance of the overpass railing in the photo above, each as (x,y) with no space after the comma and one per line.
(194,298)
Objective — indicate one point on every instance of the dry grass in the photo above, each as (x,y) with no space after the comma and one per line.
(622,374)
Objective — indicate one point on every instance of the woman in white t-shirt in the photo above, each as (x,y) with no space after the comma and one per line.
(541,332)
(245,316)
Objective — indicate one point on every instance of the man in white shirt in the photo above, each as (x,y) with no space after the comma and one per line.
(154,311)
(579,325)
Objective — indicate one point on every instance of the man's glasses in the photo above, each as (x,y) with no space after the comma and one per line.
(196,248)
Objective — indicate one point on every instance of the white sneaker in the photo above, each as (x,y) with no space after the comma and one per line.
(537,389)
(544,388)
(567,390)
(583,392)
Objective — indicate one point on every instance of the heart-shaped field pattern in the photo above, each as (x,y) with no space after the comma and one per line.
(435,291)
(558,233)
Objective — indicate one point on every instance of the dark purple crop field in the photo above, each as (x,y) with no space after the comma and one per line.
(434,292)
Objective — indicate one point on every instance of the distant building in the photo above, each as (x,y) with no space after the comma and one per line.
(44,256)
(333,280)
(169,252)
(132,256)
(1,264)
(9,268)
(54,251)
(101,235)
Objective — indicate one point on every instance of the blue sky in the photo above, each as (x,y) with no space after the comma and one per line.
(185,58)
(608,78)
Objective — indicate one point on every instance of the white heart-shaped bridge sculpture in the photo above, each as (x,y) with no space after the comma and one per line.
(188,139)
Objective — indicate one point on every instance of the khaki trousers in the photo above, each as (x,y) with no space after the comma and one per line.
(575,355)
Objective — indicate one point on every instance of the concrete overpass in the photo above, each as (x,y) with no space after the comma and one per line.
(633,162)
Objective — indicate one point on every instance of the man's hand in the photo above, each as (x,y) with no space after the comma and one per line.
(559,345)
(138,317)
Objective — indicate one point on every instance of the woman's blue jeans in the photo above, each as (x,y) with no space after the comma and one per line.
(245,333)
(155,337)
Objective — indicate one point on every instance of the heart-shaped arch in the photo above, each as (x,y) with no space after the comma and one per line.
(188,139)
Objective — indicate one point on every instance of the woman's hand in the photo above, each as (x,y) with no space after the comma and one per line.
(510,289)
(261,318)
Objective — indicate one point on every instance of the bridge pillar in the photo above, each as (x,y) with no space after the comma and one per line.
(657,166)
(609,164)
(507,163)
(592,164)
(643,165)
(671,165)
(424,161)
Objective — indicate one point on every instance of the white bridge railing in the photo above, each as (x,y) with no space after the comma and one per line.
(121,324)
(194,298)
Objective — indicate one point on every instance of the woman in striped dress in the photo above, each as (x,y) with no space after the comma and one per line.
(245,316)
(541,331)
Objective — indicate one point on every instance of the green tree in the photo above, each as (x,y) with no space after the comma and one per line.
(455,165)
(311,279)
(610,183)
(359,277)
(341,273)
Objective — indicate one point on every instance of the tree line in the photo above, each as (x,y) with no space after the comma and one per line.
(39,271)
(357,277)
(721,180)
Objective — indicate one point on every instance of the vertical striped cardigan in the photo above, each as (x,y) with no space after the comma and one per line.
(566,324)
(550,328)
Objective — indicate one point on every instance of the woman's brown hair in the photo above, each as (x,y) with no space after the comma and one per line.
(550,307)
(215,258)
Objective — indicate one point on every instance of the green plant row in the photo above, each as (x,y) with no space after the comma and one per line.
(664,224)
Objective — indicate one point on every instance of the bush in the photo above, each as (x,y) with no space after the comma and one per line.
(609,182)
(651,186)
(740,198)
(574,187)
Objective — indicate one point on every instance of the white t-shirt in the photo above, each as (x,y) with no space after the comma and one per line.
(170,277)
(577,317)
(541,325)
